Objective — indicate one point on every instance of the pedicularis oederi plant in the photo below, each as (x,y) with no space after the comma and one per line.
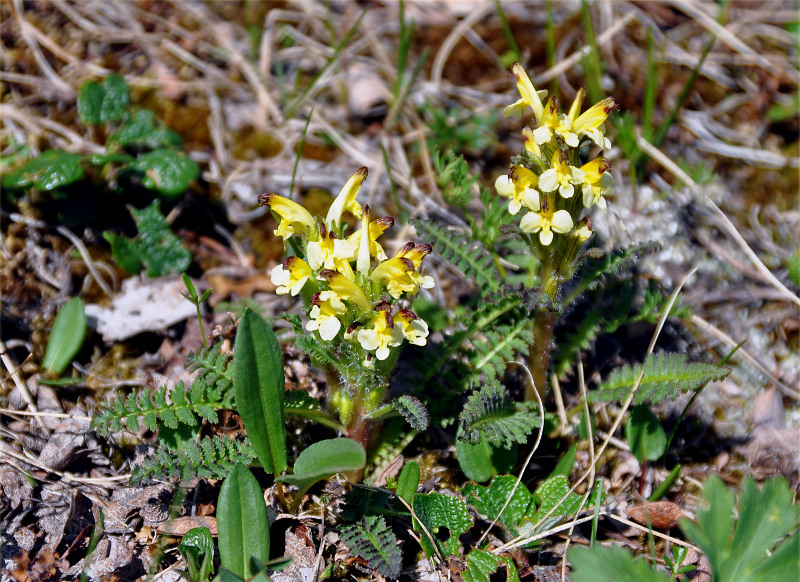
(552,184)
(356,298)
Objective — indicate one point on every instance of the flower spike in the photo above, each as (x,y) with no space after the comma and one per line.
(346,200)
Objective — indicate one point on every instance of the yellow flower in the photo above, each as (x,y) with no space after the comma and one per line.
(346,200)
(326,306)
(584,230)
(290,276)
(597,182)
(414,329)
(379,334)
(294,218)
(561,176)
(330,252)
(416,253)
(529,141)
(376,228)
(550,123)
(345,288)
(545,222)
(518,185)
(395,273)
(588,123)
(529,96)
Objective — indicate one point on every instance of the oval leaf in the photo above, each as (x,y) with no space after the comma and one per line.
(67,335)
(242,524)
(258,384)
(646,436)
(52,169)
(326,458)
(408,481)
(483,461)
(167,171)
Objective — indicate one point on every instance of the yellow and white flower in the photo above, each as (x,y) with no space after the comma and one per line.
(395,273)
(326,307)
(519,186)
(589,123)
(529,96)
(345,288)
(290,276)
(414,329)
(379,334)
(416,253)
(597,182)
(294,218)
(330,253)
(376,228)
(346,200)
(545,222)
(561,176)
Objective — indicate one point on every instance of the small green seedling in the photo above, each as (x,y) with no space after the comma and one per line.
(191,297)
(197,549)
(676,560)
(66,338)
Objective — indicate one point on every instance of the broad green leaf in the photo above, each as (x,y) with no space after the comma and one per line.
(436,511)
(52,169)
(764,517)
(66,337)
(101,103)
(324,459)
(167,171)
(156,247)
(490,500)
(646,436)
(142,131)
(242,522)
(483,461)
(484,567)
(258,384)
(408,481)
(614,564)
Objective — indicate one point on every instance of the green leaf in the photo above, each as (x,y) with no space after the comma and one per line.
(564,466)
(483,461)
(488,501)
(197,549)
(167,171)
(66,337)
(101,103)
(666,376)
(646,436)
(484,567)
(324,459)
(143,132)
(52,169)
(492,416)
(242,522)
(155,247)
(614,564)
(374,541)
(436,511)
(408,481)
(413,411)
(764,517)
(258,383)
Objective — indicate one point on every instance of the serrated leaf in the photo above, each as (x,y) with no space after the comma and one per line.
(52,169)
(485,567)
(258,383)
(167,171)
(66,337)
(488,501)
(666,376)
(436,511)
(143,132)
(155,247)
(374,541)
(491,415)
(414,412)
(764,517)
(602,564)
(102,103)
(242,522)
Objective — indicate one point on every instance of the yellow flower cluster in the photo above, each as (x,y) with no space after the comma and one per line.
(547,186)
(364,302)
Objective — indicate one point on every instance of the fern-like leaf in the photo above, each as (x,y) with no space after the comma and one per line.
(612,264)
(490,412)
(499,346)
(375,542)
(209,458)
(413,411)
(666,375)
(455,247)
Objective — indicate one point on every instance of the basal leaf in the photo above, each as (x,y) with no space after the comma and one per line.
(66,337)
(486,567)
(142,131)
(258,383)
(167,171)
(483,461)
(646,436)
(408,481)
(325,458)
(101,103)
(490,500)
(242,522)
(437,512)
(614,564)
(52,169)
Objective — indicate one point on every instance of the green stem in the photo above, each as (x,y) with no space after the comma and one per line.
(543,325)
